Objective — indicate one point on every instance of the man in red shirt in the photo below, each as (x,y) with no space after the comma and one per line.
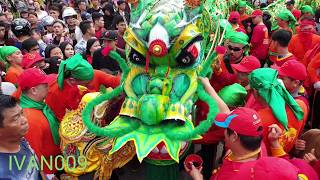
(64,94)
(234,20)
(275,105)
(43,133)
(293,74)
(243,136)
(260,37)
(98,23)
(242,7)
(278,50)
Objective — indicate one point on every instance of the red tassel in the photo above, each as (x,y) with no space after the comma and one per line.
(147,61)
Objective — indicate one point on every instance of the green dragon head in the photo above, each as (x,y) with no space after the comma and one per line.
(169,45)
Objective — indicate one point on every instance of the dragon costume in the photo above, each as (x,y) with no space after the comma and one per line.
(169,45)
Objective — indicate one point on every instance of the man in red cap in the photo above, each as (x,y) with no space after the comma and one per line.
(305,40)
(293,74)
(260,37)
(244,68)
(243,136)
(43,133)
(34,60)
(234,20)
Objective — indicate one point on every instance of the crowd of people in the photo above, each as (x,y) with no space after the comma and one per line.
(50,49)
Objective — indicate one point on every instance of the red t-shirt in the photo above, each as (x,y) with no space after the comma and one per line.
(102,78)
(260,42)
(279,61)
(40,138)
(60,100)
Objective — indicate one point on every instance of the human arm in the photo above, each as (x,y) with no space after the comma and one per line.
(223,108)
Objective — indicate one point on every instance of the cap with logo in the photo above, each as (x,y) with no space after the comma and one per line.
(30,59)
(247,64)
(293,69)
(244,121)
(109,35)
(33,77)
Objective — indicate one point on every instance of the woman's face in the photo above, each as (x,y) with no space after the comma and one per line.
(69,52)
(58,28)
(56,52)
(96,45)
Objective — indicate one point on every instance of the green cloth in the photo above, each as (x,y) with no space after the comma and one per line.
(242,4)
(6,51)
(76,67)
(265,81)
(26,102)
(307,9)
(233,95)
(238,38)
(286,15)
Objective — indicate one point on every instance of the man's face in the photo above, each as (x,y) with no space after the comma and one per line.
(242,10)
(15,57)
(56,52)
(243,78)
(281,22)
(23,15)
(290,84)
(15,124)
(112,44)
(92,30)
(2,31)
(35,49)
(57,28)
(256,19)
(54,14)
(100,22)
(122,6)
(32,19)
(95,2)
(235,52)
(41,91)
(82,6)
(71,20)
(121,27)
(289,7)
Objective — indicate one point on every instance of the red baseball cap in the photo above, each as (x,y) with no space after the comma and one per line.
(256,12)
(247,64)
(244,121)
(293,69)
(33,77)
(296,13)
(234,16)
(29,59)
(268,168)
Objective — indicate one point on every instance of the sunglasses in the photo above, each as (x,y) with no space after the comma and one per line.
(235,49)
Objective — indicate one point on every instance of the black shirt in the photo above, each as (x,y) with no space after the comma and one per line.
(101,62)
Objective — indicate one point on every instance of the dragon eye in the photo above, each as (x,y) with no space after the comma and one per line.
(186,60)
(189,55)
(136,57)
